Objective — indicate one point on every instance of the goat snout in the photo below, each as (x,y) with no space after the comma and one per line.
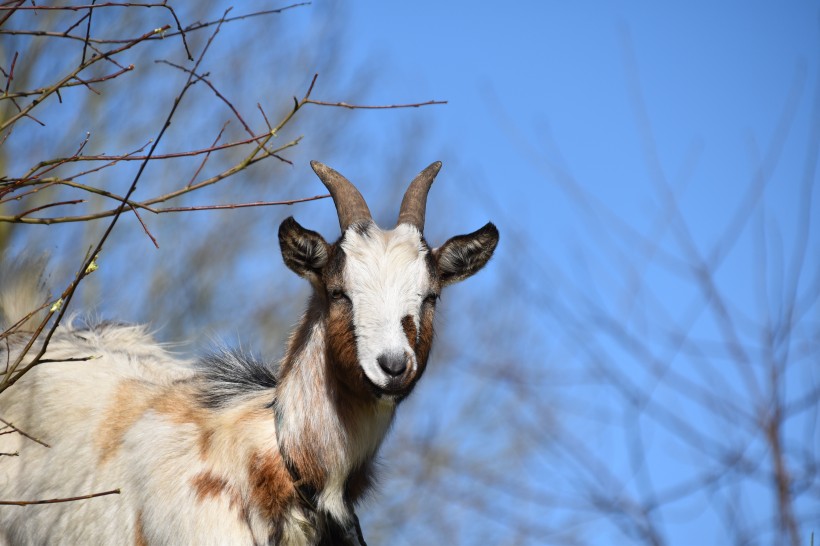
(393,364)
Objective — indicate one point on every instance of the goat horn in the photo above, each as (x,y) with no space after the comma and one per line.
(350,205)
(414,204)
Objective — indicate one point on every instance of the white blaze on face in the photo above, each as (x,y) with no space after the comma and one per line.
(386,278)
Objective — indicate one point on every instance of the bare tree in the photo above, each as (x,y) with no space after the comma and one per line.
(96,131)
(145,144)
(644,395)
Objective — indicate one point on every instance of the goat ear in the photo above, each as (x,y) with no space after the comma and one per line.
(305,252)
(464,255)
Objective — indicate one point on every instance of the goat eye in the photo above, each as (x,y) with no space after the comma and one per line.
(338,294)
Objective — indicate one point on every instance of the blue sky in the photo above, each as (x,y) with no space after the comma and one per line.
(712,76)
(546,99)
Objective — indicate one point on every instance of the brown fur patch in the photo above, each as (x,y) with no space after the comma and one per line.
(425,337)
(131,399)
(179,405)
(343,358)
(139,532)
(207,484)
(271,488)
(205,439)
(341,337)
(409,326)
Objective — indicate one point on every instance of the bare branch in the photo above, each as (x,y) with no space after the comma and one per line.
(374,107)
(53,501)
(23,433)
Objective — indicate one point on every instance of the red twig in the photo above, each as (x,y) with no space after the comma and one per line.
(48,205)
(11,73)
(243,205)
(10,12)
(144,227)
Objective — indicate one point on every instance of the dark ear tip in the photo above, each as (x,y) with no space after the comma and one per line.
(490,230)
(287,223)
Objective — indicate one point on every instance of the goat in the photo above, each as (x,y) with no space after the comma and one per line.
(229,450)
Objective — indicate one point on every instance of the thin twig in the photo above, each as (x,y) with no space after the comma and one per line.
(99,79)
(87,30)
(24,433)
(374,107)
(207,155)
(53,501)
(10,74)
(265,117)
(144,227)
(74,359)
(242,205)
(10,12)
(47,205)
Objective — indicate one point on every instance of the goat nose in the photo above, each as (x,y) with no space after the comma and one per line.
(393,363)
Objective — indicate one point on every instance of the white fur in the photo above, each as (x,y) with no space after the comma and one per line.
(63,404)
(67,404)
(386,278)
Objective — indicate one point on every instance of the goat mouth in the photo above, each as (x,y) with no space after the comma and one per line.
(396,389)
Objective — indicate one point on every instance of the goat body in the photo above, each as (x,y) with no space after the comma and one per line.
(227,449)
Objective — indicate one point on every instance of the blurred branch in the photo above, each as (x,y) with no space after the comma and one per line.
(371,107)
(33,177)
(73,75)
(242,205)
(93,6)
(161,36)
(13,374)
(22,433)
(86,83)
(53,501)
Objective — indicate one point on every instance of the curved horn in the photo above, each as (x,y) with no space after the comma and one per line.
(350,205)
(414,203)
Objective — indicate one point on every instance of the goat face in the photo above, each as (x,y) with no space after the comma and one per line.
(378,290)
